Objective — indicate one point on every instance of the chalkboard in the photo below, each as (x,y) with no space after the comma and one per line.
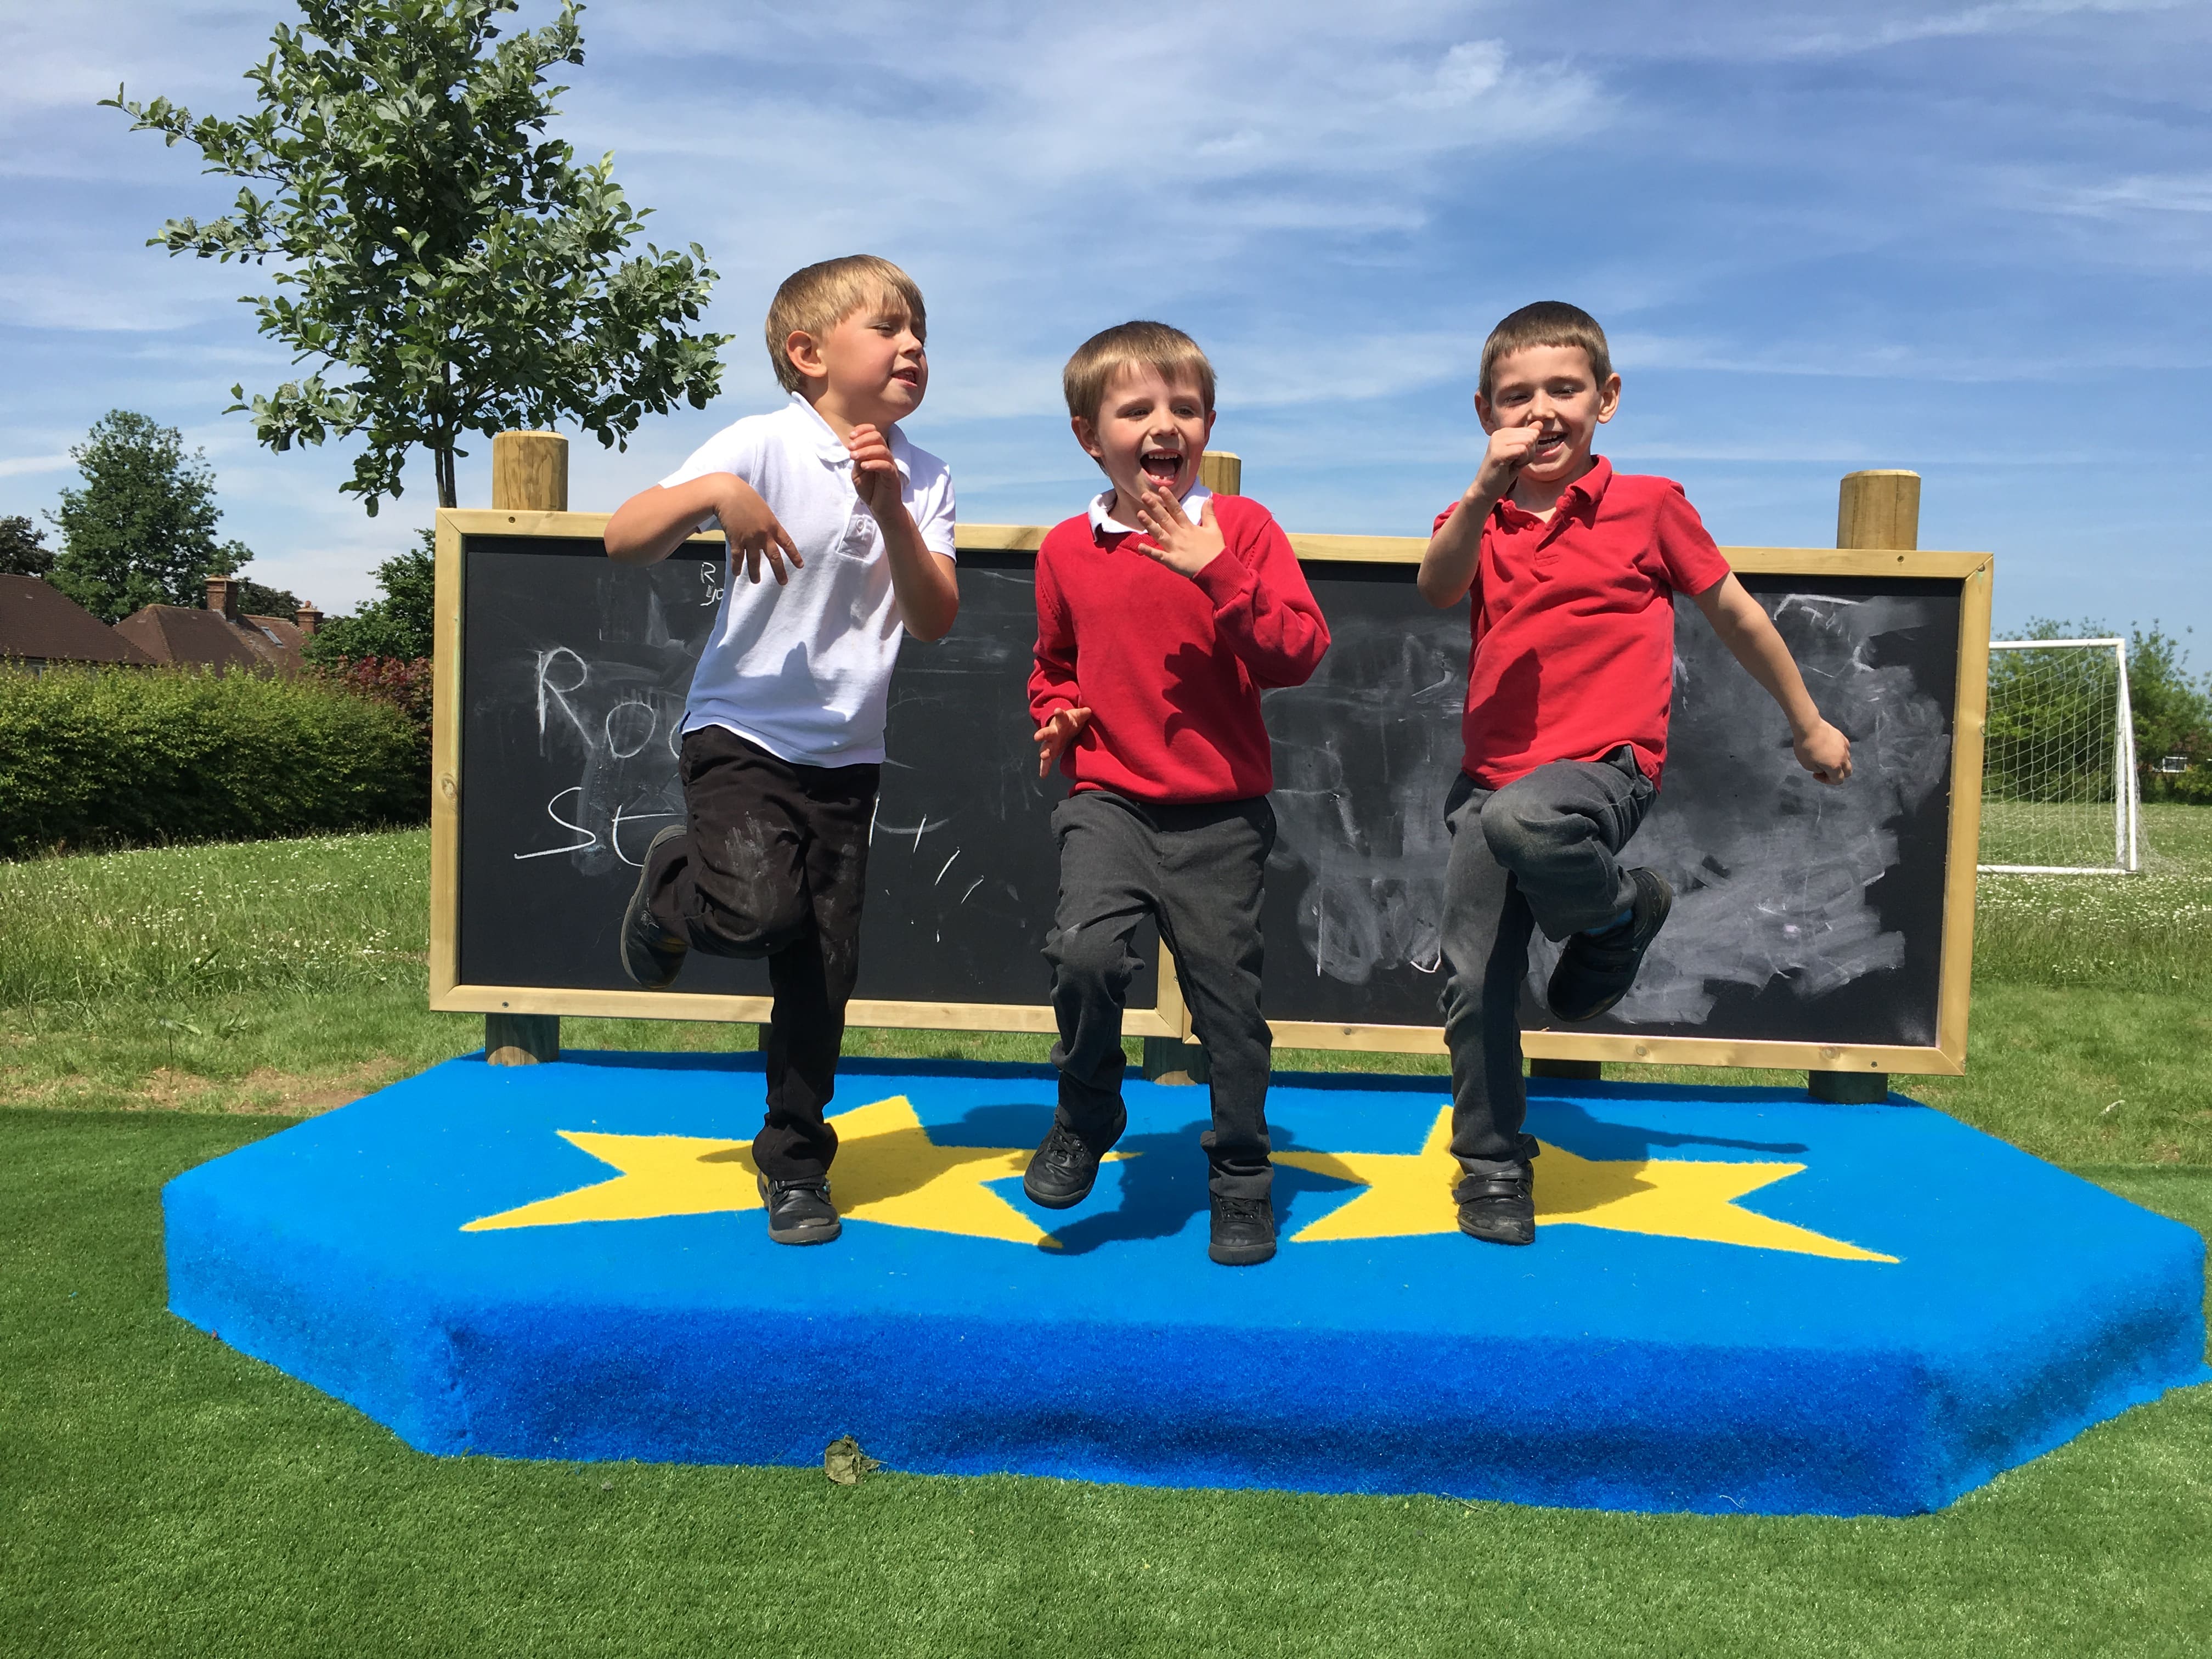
(1810,924)
(574,671)
(1797,906)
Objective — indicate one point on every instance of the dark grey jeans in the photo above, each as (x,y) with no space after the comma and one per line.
(1197,871)
(1538,852)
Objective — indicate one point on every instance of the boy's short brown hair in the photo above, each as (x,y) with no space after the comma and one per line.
(1546,323)
(1150,345)
(816,300)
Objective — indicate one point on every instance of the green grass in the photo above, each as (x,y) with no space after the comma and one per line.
(163,1495)
(286,977)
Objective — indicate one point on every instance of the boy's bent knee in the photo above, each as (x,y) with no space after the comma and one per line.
(1521,827)
(753,920)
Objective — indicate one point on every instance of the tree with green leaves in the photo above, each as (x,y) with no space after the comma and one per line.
(396,626)
(254,599)
(141,530)
(449,268)
(23,550)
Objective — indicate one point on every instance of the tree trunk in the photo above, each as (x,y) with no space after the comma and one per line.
(444,452)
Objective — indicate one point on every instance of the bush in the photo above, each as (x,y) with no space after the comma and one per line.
(120,757)
(398,684)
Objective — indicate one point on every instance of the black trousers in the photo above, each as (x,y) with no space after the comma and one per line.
(1540,852)
(1197,871)
(775,864)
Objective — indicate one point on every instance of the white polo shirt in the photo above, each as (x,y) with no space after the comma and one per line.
(805,670)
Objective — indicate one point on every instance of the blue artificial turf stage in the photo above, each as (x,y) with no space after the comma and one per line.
(1738,1299)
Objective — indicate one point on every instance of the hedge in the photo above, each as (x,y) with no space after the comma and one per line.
(122,756)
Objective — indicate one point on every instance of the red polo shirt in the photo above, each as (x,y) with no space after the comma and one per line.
(1574,624)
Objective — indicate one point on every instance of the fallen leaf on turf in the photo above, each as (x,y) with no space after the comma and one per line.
(844,1462)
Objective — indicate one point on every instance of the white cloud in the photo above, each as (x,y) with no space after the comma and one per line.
(2000,17)
(22,465)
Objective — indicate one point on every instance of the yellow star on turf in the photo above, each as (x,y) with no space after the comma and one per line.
(888,1170)
(1410,1193)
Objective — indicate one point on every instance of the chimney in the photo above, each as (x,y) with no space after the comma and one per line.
(309,619)
(222,596)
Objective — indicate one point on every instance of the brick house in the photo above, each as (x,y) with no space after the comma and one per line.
(40,624)
(220,637)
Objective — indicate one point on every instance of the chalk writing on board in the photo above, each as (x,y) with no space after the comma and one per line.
(604,719)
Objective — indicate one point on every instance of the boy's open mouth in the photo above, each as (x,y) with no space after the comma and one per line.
(1549,445)
(908,376)
(1161,468)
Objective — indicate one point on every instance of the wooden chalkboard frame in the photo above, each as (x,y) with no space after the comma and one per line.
(1169,1017)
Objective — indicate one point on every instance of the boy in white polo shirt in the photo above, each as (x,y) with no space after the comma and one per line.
(783,735)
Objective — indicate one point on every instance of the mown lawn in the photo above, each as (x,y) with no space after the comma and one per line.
(161,1494)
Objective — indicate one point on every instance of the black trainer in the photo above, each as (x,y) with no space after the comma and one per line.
(1062,1170)
(1243,1230)
(1500,1207)
(650,953)
(1596,970)
(799,1212)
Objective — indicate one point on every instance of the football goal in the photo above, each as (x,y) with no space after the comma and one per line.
(2058,780)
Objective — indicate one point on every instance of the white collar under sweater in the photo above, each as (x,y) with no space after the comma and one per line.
(1102,520)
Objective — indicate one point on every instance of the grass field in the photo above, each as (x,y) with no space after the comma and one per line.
(162,1494)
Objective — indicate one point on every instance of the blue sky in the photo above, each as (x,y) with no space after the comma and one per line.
(1970,241)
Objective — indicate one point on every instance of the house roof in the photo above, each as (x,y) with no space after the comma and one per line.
(38,621)
(175,634)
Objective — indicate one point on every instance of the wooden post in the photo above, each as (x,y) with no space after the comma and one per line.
(1877,510)
(529,474)
(1221,471)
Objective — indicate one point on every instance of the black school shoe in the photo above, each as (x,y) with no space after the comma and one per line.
(799,1212)
(1062,1170)
(1243,1230)
(1500,1207)
(1596,970)
(650,953)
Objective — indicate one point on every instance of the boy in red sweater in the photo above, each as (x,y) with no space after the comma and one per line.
(1574,570)
(1162,614)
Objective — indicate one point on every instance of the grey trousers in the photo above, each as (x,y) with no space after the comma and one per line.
(1538,852)
(1197,871)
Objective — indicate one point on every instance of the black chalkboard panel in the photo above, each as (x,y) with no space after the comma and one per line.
(1803,914)
(574,671)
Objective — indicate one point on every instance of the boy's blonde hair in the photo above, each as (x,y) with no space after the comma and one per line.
(1546,323)
(816,300)
(1149,345)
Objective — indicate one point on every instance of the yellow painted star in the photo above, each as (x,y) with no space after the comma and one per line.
(1411,1193)
(888,1170)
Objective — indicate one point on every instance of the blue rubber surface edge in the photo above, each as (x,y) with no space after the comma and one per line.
(1634,1422)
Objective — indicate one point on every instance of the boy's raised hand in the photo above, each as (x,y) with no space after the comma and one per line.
(754,531)
(1185,548)
(1055,735)
(875,474)
(1502,461)
(1825,752)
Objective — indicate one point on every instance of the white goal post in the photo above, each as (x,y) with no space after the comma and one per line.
(2059,792)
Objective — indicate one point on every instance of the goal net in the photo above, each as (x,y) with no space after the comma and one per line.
(2058,779)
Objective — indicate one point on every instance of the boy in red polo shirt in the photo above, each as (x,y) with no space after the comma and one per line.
(1162,614)
(1574,570)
